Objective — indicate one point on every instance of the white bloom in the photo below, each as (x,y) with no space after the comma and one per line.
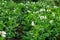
(2,3)
(37,12)
(42,10)
(3,35)
(3,32)
(21,3)
(32,23)
(51,21)
(43,17)
(33,2)
(28,11)
(53,14)
(55,7)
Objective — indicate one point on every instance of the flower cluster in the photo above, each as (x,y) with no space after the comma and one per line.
(3,33)
(51,21)
(43,17)
(32,23)
(41,10)
(55,7)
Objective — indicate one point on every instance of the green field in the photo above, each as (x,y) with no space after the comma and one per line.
(29,19)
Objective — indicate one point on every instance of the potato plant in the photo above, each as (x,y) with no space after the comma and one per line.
(29,20)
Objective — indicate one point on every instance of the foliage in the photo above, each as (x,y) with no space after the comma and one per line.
(16,19)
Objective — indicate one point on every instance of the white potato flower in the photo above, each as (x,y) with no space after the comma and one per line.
(53,14)
(41,10)
(32,23)
(28,11)
(21,3)
(51,21)
(37,12)
(3,33)
(43,17)
(33,2)
(55,7)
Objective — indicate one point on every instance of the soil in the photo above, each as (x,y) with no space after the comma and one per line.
(13,39)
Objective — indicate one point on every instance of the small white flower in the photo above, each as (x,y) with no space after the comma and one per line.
(28,11)
(42,10)
(3,32)
(32,23)
(33,2)
(43,17)
(51,21)
(53,14)
(21,3)
(37,12)
(55,7)
(2,3)
(3,35)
